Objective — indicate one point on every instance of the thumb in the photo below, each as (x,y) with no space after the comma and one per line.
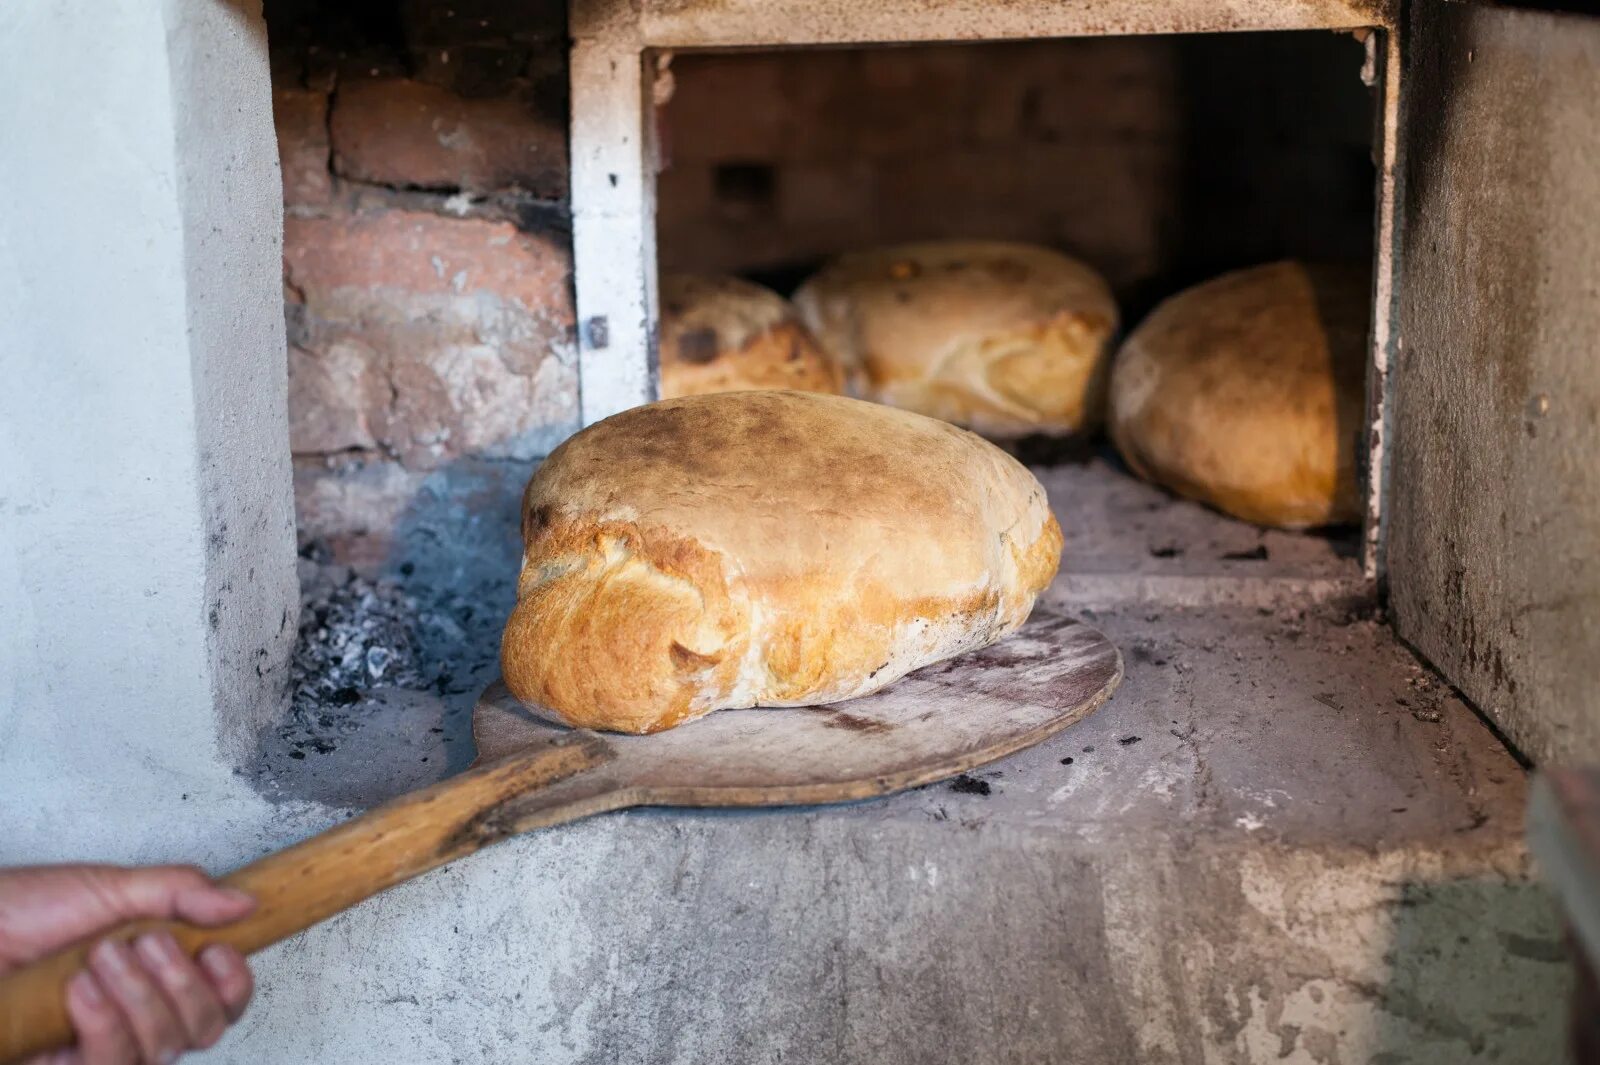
(178,892)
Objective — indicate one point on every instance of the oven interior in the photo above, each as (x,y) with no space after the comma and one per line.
(1160,161)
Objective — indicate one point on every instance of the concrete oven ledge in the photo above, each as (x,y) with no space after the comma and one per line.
(1282,840)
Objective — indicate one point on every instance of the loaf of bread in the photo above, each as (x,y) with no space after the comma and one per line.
(1247,393)
(764,549)
(724,334)
(1007,339)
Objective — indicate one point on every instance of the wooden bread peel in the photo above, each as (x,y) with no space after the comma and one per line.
(938,722)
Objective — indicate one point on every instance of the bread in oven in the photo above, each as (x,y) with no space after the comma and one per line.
(764,549)
(1247,393)
(724,334)
(1007,339)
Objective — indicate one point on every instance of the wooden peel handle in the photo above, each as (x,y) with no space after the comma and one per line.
(314,880)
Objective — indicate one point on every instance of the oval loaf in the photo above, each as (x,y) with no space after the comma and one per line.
(1006,339)
(764,549)
(1246,392)
(725,334)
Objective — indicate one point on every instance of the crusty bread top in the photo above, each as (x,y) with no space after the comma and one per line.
(1008,338)
(724,334)
(1247,392)
(764,548)
(785,481)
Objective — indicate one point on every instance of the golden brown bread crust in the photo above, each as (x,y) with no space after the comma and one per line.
(724,334)
(1007,339)
(764,549)
(1247,393)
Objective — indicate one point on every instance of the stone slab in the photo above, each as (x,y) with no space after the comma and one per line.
(1282,839)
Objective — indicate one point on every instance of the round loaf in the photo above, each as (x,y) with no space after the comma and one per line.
(764,549)
(724,334)
(1007,339)
(1246,393)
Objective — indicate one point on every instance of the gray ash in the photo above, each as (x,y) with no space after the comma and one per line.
(359,634)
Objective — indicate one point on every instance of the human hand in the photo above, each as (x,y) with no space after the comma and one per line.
(142,1003)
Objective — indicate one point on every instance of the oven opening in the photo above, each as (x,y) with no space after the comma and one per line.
(1159,162)
(436,353)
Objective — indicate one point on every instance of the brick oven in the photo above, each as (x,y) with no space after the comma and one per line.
(301,297)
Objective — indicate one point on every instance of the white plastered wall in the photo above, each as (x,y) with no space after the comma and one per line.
(148,600)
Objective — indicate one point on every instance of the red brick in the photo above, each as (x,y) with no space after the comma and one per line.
(1061,142)
(916,101)
(1101,199)
(824,195)
(821,97)
(356,508)
(683,192)
(398,132)
(726,107)
(412,251)
(428,336)
(332,393)
(301,118)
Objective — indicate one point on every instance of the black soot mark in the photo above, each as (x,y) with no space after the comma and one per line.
(1002,656)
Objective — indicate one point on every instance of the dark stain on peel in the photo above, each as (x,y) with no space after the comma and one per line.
(500,817)
(852,722)
(1003,656)
(488,826)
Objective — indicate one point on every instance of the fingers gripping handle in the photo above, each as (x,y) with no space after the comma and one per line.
(323,876)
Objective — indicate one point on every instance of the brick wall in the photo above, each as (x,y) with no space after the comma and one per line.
(778,160)
(1160,160)
(426,265)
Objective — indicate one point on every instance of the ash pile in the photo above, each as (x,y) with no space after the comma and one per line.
(361,635)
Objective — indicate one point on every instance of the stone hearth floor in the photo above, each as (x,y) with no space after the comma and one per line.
(1282,839)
